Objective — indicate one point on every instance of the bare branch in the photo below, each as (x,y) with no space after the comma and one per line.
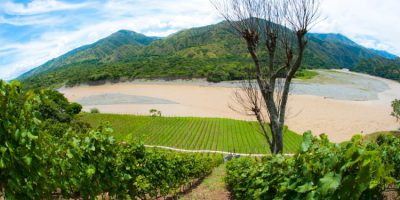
(274,31)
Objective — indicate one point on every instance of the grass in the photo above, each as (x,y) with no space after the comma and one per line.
(306,74)
(192,133)
(212,187)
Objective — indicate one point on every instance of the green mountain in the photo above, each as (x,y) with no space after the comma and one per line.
(379,66)
(213,52)
(111,49)
(385,54)
(335,38)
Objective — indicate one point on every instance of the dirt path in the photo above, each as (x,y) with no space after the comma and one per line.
(210,151)
(212,188)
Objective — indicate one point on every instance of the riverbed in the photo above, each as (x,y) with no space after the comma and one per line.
(338,103)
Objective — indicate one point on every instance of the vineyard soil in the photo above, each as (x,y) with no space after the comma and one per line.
(212,188)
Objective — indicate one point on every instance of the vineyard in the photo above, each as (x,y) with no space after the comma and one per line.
(49,151)
(45,155)
(358,169)
(192,133)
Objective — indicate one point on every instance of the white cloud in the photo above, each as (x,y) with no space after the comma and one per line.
(32,20)
(363,19)
(149,15)
(38,7)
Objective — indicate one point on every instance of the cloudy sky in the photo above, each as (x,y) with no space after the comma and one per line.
(34,31)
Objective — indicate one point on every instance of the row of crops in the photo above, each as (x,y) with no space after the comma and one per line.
(322,170)
(192,133)
(35,163)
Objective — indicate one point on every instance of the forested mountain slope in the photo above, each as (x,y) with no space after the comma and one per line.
(212,52)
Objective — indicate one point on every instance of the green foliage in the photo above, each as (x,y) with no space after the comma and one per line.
(217,75)
(396,109)
(37,165)
(388,146)
(55,106)
(385,68)
(192,133)
(21,170)
(321,170)
(306,74)
(94,110)
(374,136)
(100,77)
(57,114)
(74,109)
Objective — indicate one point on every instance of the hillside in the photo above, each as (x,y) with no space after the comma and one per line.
(212,52)
(109,49)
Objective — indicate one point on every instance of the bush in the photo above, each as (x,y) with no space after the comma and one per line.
(217,75)
(21,168)
(53,105)
(321,170)
(74,109)
(100,77)
(94,110)
(396,109)
(38,165)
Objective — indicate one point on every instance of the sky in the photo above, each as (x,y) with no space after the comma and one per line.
(35,31)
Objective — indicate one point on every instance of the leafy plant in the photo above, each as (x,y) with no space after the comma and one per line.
(321,170)
(21,169)
(37,165)
(94,110)
(396,109)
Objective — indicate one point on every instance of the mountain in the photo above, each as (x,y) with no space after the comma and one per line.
(113,48)
(380,66)
(385,54)
(213,51)
(335,38)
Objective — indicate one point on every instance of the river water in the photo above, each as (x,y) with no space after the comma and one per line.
(334,84)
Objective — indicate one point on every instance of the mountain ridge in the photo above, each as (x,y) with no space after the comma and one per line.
(206,51)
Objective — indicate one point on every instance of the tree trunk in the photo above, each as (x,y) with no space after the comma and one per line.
(277,133)
(279,140)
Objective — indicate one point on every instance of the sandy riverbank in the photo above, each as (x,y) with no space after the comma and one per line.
(340,119)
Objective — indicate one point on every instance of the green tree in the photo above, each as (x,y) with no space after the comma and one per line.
(396,109)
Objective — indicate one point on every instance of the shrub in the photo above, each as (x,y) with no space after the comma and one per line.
(99,77)
(21,167)
(74,109)
(94,110)
(38,165)
(396,109)
(321,170)
(217,75)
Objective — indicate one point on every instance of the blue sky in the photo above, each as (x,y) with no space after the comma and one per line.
(35,31)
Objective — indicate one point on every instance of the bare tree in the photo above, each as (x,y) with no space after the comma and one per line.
(275,34)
